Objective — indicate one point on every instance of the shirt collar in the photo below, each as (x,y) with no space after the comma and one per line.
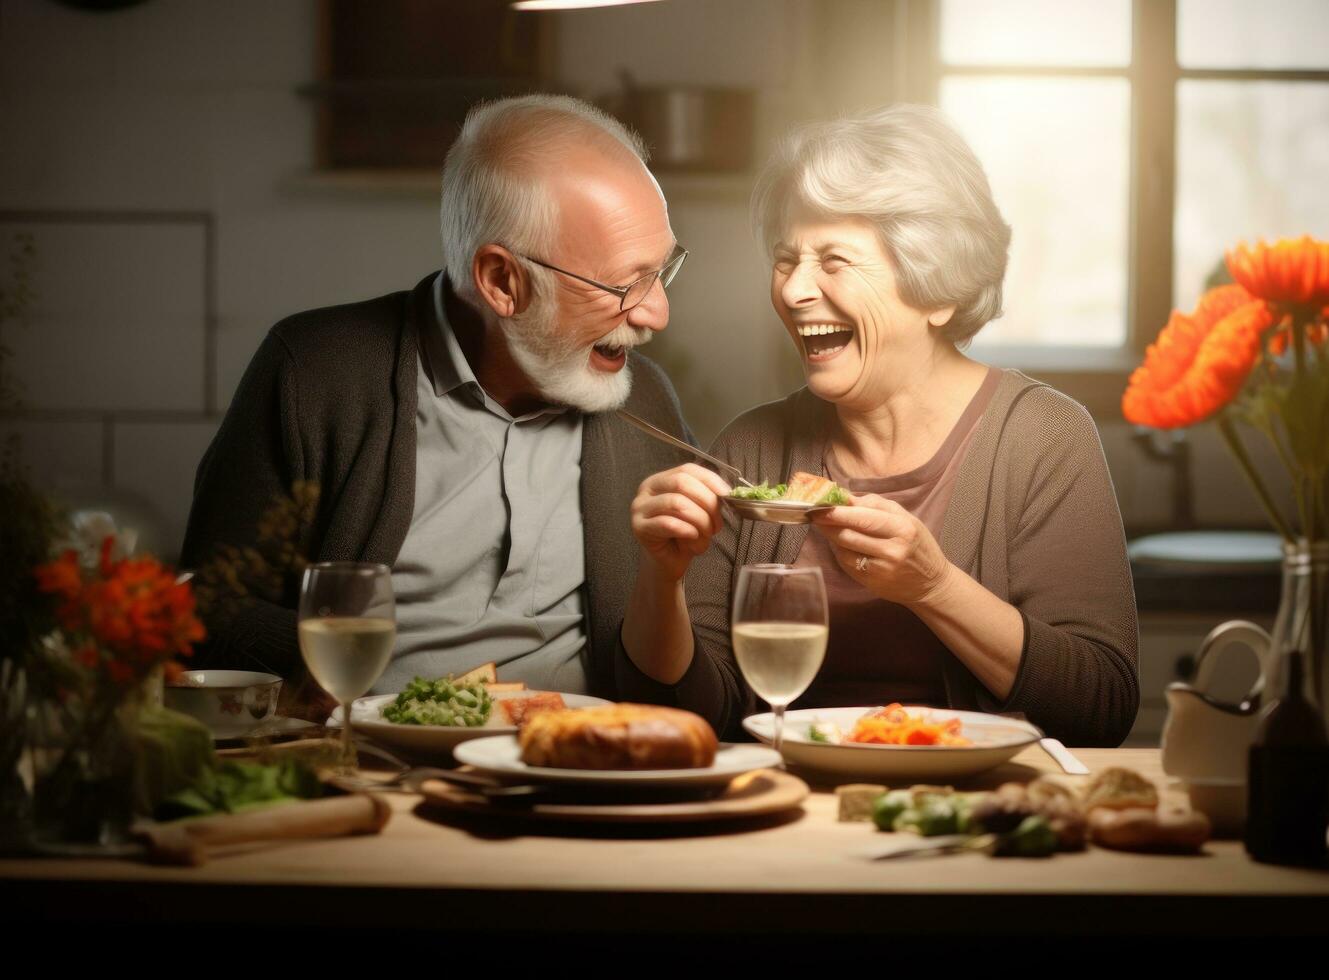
(447,364)
(448,367)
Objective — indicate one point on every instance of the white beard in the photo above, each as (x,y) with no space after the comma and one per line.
(562,372)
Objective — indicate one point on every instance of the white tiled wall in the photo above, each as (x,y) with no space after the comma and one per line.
(60,454)
(120,320)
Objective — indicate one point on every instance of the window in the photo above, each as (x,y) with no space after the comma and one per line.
(1128,142)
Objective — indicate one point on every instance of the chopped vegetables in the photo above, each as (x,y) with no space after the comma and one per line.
(1013,821)
(440,702)
(889,807)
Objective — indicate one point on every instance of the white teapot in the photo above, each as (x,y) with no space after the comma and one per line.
(1206,739)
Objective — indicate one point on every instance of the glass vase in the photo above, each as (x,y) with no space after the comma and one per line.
(82,769)
(1303,617)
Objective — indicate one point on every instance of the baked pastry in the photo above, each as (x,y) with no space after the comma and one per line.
(618,736)
(807,488)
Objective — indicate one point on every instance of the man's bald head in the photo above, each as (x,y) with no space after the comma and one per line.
(495,180)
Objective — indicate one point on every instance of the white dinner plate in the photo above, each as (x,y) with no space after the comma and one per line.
(996,740)
(367,717)
(501,756)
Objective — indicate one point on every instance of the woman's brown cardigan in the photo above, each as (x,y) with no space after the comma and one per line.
(1033,518)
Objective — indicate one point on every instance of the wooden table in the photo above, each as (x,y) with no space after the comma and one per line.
(801,875)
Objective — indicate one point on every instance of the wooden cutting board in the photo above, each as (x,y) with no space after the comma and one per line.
(753,794)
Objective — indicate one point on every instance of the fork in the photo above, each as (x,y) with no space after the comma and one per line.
(665,437)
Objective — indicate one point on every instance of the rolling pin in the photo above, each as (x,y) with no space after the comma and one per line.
(187,841)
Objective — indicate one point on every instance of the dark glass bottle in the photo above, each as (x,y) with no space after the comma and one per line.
(1287,786)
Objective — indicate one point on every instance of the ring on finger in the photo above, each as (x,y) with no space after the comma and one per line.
(862,563)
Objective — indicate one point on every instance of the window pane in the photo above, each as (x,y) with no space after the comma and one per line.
(1242,34)
(1036,32)
(1250,163)
(1057,154)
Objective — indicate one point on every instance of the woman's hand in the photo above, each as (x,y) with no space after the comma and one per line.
(885,549)
(675,514)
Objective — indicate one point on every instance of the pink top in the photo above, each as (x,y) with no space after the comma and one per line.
(879,651)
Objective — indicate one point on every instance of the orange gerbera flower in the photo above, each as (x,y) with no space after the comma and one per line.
(1199,362)
(131,613)
(1293,271)
(61,577)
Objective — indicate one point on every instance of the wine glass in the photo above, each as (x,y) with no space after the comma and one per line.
(348,626)
(780,632)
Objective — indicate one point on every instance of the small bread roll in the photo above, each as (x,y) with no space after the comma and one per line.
(1120,789)
(618,736)
(1166,829)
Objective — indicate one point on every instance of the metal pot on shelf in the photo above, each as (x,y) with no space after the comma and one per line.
(689,128)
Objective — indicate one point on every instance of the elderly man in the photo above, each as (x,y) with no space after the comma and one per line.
(461,433)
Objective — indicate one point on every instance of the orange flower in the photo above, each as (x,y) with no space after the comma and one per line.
(1293,271)
(61,577)
(1199,362)
(140,610)
(129,616)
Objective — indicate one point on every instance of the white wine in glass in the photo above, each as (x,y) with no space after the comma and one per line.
(780,632)
(348,626)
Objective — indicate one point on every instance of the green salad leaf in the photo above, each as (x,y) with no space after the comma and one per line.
(234,785)
(762,491)
(835,496)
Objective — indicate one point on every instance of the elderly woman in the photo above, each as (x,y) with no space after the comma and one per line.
(982,564)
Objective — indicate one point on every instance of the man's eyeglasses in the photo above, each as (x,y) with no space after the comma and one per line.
(631,295)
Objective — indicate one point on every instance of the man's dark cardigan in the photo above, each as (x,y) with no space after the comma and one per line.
(330,397)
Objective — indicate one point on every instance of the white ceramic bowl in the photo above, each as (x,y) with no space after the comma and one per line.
(230,702)
(995,740)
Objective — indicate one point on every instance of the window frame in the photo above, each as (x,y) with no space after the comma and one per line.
(1097,376)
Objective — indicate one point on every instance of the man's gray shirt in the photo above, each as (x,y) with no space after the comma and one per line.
(493,563)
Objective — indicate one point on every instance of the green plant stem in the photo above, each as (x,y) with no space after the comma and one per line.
(99,715)
(1244,461)
(1303,491)
(1298,342)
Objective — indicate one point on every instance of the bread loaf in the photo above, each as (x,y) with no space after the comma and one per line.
(618,736)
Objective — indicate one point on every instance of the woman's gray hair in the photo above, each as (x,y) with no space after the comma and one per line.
(905,169)
(493,189)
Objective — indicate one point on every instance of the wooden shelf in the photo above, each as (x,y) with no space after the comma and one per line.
(678,187)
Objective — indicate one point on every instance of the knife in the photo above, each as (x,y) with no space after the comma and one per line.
(944,844)
(665,437)
(1063,757)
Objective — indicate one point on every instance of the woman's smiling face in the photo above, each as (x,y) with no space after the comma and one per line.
(833,285)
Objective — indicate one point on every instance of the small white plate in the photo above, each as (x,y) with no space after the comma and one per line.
(774,511)
(367,717)
(501,755)
(996,740)
(274,727)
